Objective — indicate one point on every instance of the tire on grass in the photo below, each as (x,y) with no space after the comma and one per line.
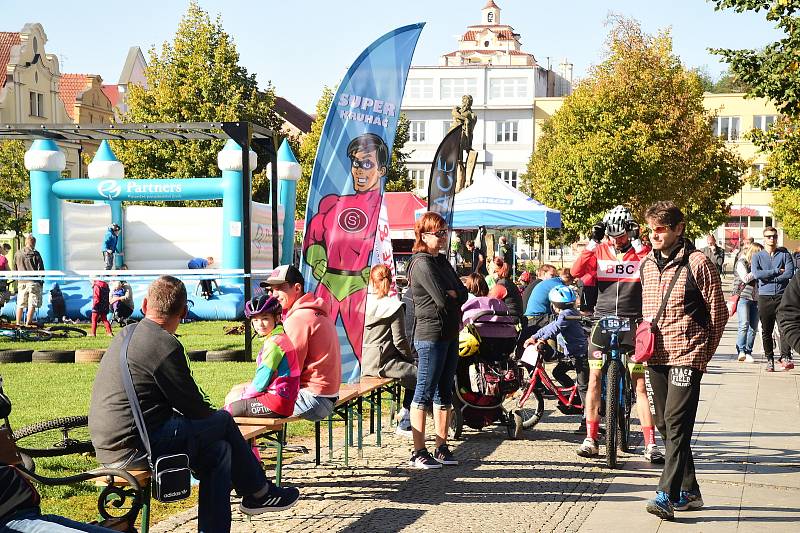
(15,356)
(88,355)
(53,356)
(196,355)
(224,356)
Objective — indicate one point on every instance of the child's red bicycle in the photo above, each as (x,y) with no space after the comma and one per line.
(537,383)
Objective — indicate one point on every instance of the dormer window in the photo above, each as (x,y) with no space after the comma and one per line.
(486,44)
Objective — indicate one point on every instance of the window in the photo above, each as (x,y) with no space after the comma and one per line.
(508,88)
(417,177)
(416,129)
(458,87)
(727,128)
(763,122)
(507,131)
(420,88)
(446,125)
(509,176)
(36,104)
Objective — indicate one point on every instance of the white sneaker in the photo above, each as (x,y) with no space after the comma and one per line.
(402,414)
(588,448)
(748,359)
(653,454)
(742,357)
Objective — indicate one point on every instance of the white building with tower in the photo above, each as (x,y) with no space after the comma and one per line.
(504,82)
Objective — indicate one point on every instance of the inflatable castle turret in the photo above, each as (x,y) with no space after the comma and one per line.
(106,166)
(288,174)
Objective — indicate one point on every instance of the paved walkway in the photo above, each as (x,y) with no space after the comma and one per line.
(747,450)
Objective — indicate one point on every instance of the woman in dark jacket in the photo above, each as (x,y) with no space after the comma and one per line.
(387,353)
(513,298)
(438,295)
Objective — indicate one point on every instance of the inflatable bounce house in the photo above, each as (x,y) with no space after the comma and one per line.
(70,234)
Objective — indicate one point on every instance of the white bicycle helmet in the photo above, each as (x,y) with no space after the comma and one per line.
(617,220)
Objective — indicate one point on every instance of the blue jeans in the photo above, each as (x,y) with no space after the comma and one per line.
(32,521)
(436,370)
(219,457)
(747,312)
(312,407)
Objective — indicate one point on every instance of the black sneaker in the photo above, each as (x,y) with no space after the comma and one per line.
(276,499)
(444,456)
(423,459)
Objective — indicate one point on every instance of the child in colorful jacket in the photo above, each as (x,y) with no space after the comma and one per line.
(273,391)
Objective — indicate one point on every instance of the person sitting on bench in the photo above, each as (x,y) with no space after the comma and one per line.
(313,334)
(177,414)
(273,391)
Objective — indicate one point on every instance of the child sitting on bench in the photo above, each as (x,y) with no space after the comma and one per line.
(273,391)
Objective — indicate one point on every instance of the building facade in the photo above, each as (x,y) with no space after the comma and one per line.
(29,85)
(504,82)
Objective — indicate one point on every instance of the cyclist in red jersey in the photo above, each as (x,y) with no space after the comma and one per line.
(614,253)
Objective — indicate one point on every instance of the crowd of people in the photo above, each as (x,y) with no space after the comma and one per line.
(662,280)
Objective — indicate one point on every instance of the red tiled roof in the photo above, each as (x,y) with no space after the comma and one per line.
(503,35)
(70,87)
(7,40)
(293,114)
(112,93)
(491,3)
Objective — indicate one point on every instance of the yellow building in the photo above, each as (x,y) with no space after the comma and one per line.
(29,83)
(86,103)
(735,115)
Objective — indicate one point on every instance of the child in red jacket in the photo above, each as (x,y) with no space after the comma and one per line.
(100,292)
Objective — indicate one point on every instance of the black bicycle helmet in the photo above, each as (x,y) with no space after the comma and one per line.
(260,304)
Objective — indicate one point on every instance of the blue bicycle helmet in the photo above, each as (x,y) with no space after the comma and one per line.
(261,304)
(562,297)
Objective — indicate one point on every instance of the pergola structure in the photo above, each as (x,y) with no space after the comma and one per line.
(244,133)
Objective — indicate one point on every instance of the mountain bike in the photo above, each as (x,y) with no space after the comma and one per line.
(14,332)
(616,391)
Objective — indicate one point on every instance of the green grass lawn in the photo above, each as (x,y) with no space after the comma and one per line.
(194,336)
(43,391)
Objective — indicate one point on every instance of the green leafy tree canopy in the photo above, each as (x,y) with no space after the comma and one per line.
(773,72)
(633,132)
(15,188)
(196,77)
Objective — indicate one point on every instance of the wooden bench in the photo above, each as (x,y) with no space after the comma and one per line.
(114,488)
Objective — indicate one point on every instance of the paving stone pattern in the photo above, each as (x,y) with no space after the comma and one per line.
(533,484)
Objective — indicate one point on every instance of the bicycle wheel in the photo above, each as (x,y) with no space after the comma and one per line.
(35,334)
(531,412)
(66,332)
(612,408)
(624,415)
(53,438)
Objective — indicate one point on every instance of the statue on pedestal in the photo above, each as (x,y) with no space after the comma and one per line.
(465,118)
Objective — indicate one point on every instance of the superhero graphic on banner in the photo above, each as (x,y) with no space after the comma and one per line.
(340,239)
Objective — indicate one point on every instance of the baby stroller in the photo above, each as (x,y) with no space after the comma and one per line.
(486,374)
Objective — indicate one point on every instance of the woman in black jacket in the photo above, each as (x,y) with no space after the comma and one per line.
(513,298)
(438,295)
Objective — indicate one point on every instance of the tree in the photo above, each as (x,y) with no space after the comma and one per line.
(397,178)
(396,175)
(308,148)
(773,72)
(634,132)
(196,77)
(15,190)
(729,82)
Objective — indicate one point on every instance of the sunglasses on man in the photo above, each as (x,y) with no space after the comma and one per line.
(442,233)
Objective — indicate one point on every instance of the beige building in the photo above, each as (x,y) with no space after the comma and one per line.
(85,103)
(29,84)
(734,116)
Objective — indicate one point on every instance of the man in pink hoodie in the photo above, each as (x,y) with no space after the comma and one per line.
(313,334)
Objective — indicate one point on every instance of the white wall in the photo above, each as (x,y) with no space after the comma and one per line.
(84,227)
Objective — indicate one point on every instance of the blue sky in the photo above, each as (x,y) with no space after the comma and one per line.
(302,45)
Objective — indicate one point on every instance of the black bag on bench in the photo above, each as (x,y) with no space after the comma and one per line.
(172,479)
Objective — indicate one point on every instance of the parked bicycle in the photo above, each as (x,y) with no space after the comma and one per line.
(14,332)
(536,383)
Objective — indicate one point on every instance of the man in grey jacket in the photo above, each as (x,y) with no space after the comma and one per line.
(773,267)
(714,253)
(177,414)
